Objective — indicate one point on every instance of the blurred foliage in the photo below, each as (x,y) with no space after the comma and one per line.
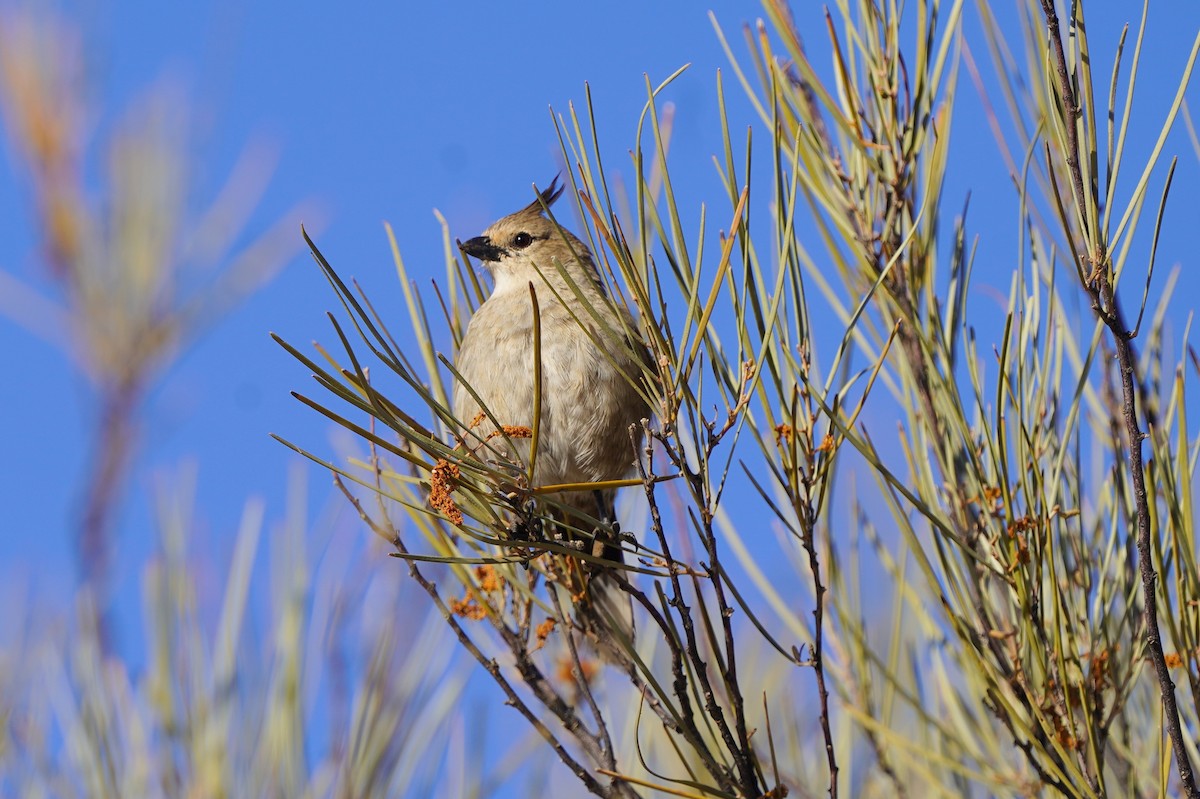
(136,270)
(330,689)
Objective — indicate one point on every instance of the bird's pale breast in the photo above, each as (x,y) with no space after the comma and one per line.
(587,404)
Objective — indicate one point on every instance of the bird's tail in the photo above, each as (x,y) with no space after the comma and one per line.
(604,612)
(607,617)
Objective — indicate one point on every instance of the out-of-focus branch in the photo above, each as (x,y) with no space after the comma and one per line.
(112,452)
(137,277)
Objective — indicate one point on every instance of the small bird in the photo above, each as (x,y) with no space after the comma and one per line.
(592,362)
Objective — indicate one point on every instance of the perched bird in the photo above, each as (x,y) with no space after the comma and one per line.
(591,360)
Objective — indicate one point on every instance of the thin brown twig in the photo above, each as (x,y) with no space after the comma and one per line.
(719,771)
(1127,363)
(738,747)
(814,565)
(745,753)
(1070,106)
(1108,308)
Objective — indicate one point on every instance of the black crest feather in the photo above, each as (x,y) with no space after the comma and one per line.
(545,198)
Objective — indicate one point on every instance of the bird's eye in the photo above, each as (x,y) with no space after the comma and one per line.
(522,240)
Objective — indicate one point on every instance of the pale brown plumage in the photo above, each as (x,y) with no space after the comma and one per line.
(592,358)
(589,357)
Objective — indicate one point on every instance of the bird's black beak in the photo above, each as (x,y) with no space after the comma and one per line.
(481,247)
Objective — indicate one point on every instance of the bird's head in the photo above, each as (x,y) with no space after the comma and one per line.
(527,247)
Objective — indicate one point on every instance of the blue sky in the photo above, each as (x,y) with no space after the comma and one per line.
(385,112)
(376,114)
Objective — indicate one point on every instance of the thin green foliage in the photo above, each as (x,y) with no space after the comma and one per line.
(968,617)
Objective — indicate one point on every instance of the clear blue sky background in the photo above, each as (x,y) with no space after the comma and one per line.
(385,112)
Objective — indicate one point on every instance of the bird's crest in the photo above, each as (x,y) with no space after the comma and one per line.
(545,199)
